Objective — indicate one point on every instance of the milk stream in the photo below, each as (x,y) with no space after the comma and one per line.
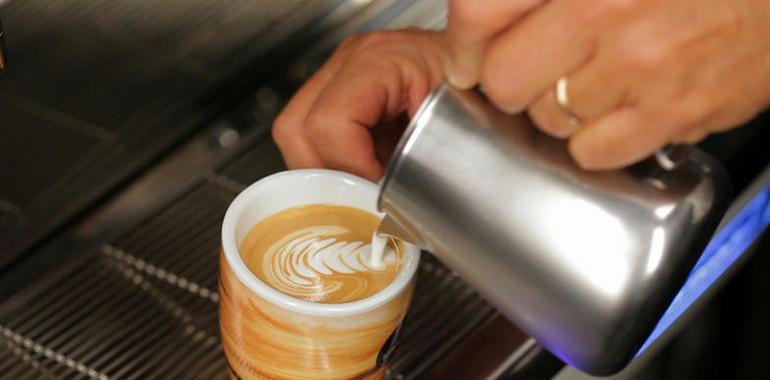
(379,243)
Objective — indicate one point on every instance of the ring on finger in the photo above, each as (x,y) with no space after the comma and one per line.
(562,98)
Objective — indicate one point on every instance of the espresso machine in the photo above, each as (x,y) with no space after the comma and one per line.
(128,129)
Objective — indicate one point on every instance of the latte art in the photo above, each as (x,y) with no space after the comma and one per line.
(319,253)
(304,262)
(288,315)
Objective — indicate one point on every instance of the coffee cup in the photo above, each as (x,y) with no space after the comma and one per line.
(268,334)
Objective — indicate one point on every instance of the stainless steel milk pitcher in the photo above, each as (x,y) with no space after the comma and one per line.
(585,262)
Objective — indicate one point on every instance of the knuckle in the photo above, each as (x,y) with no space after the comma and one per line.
(652,55)
(399,64)
(316,126)
(499,92)
(280,130)
(645,56)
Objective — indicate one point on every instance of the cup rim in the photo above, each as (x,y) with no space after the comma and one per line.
(411,257)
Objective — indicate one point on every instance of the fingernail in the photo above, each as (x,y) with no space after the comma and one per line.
(586,165)
(461,72)
(579,155)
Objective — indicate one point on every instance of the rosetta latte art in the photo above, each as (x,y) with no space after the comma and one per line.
(313,263)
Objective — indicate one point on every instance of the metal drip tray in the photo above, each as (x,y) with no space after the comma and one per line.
(145,306)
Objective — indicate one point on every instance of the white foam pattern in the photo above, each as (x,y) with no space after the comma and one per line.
(296,263)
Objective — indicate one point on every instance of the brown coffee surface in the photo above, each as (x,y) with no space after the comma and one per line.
(319,253)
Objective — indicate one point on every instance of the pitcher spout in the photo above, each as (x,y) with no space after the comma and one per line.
(391,227)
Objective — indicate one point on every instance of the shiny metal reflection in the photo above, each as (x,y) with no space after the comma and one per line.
(585,262)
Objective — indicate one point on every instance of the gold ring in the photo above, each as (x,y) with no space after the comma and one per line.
(563,100)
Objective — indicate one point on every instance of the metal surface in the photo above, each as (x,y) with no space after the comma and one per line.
(529,362)
(584,262)
(690,317)
(741,230)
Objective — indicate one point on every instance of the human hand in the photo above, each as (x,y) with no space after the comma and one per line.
(641,73)
(351,113)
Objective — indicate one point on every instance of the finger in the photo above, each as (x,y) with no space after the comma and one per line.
(618,139)
(386,136)
(691,137)
(296,148)
(548,116)
(346,145)
(368,91)
(349,106)
(597,88)
(289,132)
(471,26)
(524,62)
(698,122)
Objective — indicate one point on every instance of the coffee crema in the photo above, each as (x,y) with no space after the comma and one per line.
(320,253)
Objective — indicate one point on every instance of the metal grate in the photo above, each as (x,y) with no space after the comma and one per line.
(145,305)
(443,312)
(260,161)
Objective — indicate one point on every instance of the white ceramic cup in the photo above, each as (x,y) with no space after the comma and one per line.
(266,333)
